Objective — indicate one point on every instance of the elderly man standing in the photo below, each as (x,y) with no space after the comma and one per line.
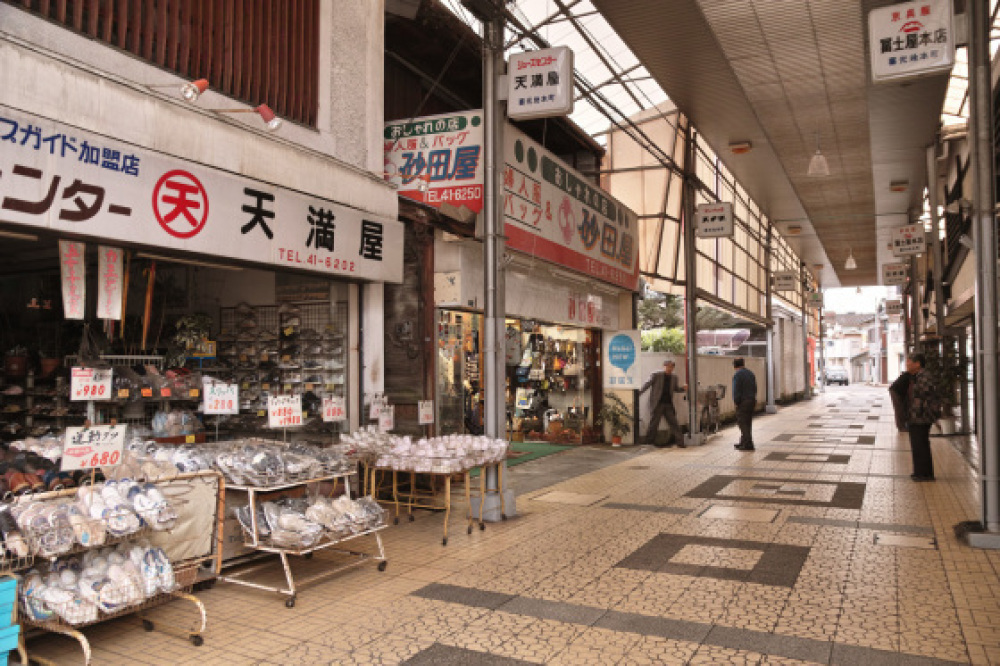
(661,402)
(745,397)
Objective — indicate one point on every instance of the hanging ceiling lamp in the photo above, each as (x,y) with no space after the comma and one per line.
(818,165)
(850,264)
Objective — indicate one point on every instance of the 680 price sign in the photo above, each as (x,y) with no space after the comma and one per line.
(284,411)
(97,446)
(90,384)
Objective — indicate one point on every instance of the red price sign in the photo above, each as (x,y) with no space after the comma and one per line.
(90,384)
(333,409)
(97,446)
(284,411)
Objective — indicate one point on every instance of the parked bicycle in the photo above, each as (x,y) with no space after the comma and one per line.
(708,408)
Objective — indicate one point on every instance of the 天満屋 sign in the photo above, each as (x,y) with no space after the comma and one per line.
(911,39)
(57,177)
(714,220)
(909,240)
(540,83)
(437,160)
(894,274)
(786,281)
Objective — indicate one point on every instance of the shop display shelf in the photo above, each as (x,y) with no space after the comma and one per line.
(328,540)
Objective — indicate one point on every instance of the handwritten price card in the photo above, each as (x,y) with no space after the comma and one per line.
(97,446)
(90,384)
(284,411)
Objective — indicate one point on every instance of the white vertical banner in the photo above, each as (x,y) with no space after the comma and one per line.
(72,267)
(110,279)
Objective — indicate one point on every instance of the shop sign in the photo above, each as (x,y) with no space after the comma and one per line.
(552,212)
(90,384)
(585,309)
(894,274)
(714,220)
(220,398)
(57,177)
(786,281)
(894,308)
(109,282)
(437,160)
(284,411)
(911,39)
(815,299)
(72,268)
(540,83)
(333,409)
(621,356)
(909,240)
(386,418)
(95,446)
(425,412)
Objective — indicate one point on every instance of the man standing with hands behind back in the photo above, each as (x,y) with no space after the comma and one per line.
(745,397)
(661,402)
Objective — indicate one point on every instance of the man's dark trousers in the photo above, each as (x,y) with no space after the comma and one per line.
(664,410)
(920,449)
(744,418)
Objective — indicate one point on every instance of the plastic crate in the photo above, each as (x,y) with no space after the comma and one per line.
(8,590)
(8,640)
(6,615)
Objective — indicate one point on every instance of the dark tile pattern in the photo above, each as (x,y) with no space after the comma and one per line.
(467,596)
(553,610)
(848,495)
(653,508)
(834,459)
(859,525)
(445,655)
(820,438)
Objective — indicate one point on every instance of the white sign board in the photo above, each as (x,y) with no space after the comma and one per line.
(90,384)
(815,299)
(76,182)
(437,160)
(110,281)
(894,308)
(284,411)
(387,418)
(425,412)
(714,220)
(909,240)
(333,409)
(96,446)
(911,39)
(72,269)
(621,360)
(540,83)
(786,281)
(221,398)
(894,274)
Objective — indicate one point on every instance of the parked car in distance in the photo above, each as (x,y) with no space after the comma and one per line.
(836,376)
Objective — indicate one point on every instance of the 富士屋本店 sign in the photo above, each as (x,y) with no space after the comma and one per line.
(437,160)
(911,39)
(909,240)
(551,211)
(57,177)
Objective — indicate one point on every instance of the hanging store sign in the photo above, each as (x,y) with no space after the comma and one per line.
(714,220)
(540,83)
(894,275)
(814,299)
(894,308)
(96,446)
(621,360)
(67,180)
(785,281)
(72,268)
(552,212)
(109,282)
(284,411)
(90,384)
(909,240)
(425,412)
(911,39)
(436,160)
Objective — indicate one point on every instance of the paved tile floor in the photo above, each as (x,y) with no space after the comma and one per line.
(816,548)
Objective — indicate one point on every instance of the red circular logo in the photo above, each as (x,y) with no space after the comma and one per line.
(180,204)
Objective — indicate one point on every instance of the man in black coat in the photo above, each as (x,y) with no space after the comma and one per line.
(745,397)
(661,402)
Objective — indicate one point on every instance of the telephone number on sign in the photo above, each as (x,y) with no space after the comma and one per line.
(470,193)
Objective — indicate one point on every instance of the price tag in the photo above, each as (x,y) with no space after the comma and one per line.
(90,384)
(386,418)
(264,357)
(147,393)
(425,412)
(333,409)
(284,411)
(122,393)
(286,358)
(378,404)
(261,412)
(166,393)
(221,398)
(289,331)
(97,446)
(309,387)
(193,393)
(189,439)
(266,387)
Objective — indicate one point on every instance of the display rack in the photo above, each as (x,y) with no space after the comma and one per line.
(327,542)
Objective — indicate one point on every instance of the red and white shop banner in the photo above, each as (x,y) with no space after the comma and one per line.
(72,268)
(58,177)
(109,282)
(551,211)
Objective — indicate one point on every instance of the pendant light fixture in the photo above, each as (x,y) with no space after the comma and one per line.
(818,165)
(850,264)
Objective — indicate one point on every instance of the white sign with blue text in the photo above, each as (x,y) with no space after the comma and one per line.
(621,360)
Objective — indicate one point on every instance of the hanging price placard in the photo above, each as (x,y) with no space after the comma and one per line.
(377,405)
(221,398)
(386,419)
(333,409)
(90,384)
(97,446)
(284,411)
(425,412)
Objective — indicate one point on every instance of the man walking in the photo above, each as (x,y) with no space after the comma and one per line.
(661,402)
(922,409)
(745,397)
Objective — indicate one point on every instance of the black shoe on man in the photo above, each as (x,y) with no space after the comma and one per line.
(920,478)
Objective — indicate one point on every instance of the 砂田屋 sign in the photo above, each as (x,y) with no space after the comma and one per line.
(911,39)
(71,181)
(909,240)
(785,281)
(714,220)
(556,214)
(621,360)
(894,274)
(437,160)
(540,83)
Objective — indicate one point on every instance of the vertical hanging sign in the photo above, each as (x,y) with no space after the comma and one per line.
(540,83)
(911,39)
(74,284)
(109,282)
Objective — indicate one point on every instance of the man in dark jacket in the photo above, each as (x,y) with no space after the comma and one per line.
(745,397)
(661,402)
(898,391)
(922,410)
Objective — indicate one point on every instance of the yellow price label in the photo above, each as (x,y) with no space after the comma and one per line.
(288,387)
(261,412)
(122,393)
(193,393)
(305,414)
(264,356)
(243,358)
(309,387)
(289,330)
(266,387)
(189,439)
(286,358)
(147,393)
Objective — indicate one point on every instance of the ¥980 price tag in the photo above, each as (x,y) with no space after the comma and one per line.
(90,384)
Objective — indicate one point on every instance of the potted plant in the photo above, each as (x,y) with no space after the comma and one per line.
(616,415)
